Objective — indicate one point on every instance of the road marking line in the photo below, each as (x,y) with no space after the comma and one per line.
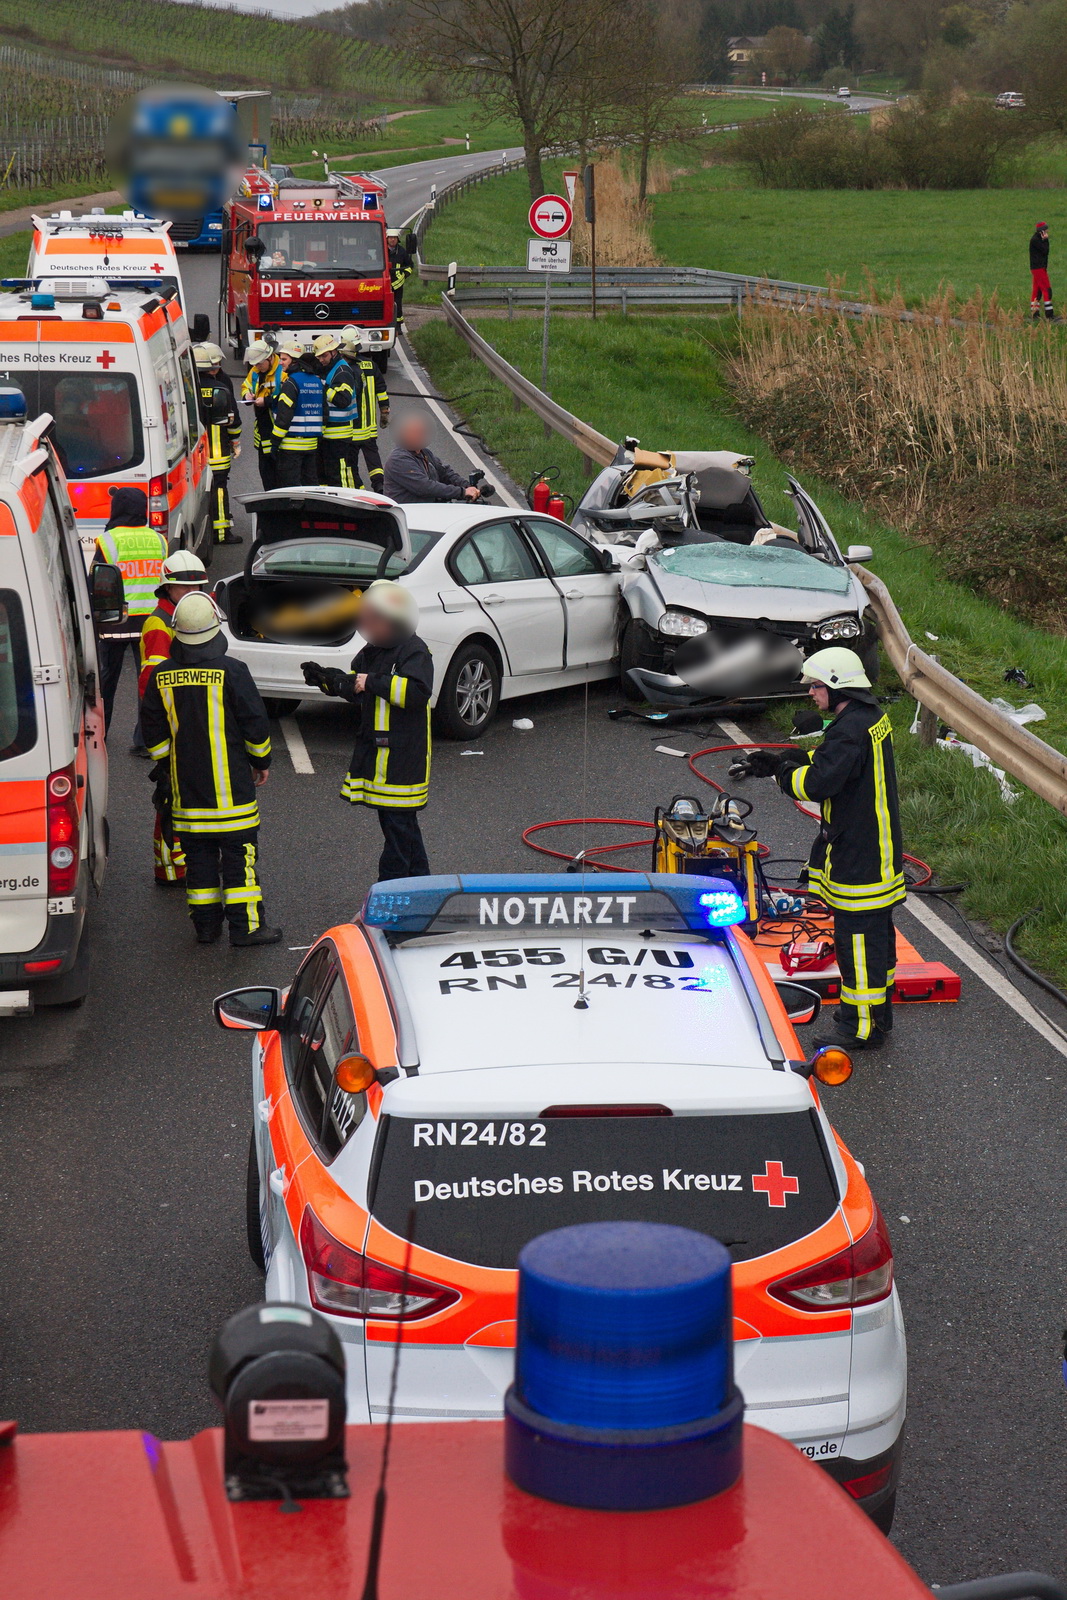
(990,975)
(467,449)
(298,750)
(979,964)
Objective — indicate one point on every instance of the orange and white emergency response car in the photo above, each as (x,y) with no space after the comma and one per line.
(480,1059)
(53,764)
(114,368)
(128,246)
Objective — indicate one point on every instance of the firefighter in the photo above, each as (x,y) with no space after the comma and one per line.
(206,727)
(340,387)
(128,543)
(390,680)
(373,409)
(257,390)
(218,412)
(297,418)
(856,863)
(401,266)
(182,574)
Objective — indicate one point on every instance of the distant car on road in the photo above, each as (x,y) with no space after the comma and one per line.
(1010,100)
(844,94)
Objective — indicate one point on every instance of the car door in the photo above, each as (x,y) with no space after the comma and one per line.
(815,533)
(590,591)
(496,564)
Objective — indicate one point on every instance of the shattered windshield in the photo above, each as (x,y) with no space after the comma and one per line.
(755,566)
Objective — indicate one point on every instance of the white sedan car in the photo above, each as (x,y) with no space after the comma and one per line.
(510,602)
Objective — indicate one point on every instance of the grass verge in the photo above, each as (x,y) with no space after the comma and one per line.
(661,379)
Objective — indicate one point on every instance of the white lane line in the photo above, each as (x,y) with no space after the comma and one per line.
(990,975)
(298,750)
(464,445)
(982,968)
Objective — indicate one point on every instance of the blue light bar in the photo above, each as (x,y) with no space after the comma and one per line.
(12,404)
(553,902)
(723,906)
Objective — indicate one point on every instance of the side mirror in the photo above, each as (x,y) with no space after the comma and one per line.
(200,332)
(411,244)
(860,552)
(801,1003)
(254,1010)
(254,248)
(107,599)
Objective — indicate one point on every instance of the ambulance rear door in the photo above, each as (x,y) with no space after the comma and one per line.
(24,752)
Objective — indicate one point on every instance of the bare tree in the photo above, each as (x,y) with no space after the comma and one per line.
(785,53)
(543,62)
(650,74)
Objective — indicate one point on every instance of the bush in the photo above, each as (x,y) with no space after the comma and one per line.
(924,144)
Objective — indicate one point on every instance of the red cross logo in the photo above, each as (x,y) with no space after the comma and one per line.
(155,267)
(106,360)
(775,1184)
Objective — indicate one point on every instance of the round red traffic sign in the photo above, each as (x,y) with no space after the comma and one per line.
(551,216)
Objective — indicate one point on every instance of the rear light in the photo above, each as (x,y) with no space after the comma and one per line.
(856,1276)
(158,509)
(348,1284)
(42,966)
(62,833)
(870,1483)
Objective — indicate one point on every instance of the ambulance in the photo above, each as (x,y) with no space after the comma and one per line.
(128,246)
(113,367)
(53,761)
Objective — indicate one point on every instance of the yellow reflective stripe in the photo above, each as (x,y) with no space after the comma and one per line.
(204,897)
(859,958)
(220,765)
(158,751)
(398,691)
(879,734)
(258,749)
(381,725)
(796,781)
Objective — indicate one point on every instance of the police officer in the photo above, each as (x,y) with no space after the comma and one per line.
(218,412)
(207,728)
(856,863)
(340,387)
(297,418)
(401,266)
(390,680)
(373,408)
(182,574)
(128,543)
(257,390)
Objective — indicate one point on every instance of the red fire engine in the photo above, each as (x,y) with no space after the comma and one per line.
(302,254)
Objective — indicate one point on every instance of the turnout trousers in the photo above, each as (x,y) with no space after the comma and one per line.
(295,467)
(867,956)
(373,461)
(221,521)
(222,880)
(335,463)
(404,855)
(268,471)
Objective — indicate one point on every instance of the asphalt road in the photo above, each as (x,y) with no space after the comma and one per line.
(124,1125)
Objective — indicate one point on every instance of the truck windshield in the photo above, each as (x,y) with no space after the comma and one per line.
(482,1187)
(318,245)
(97,419)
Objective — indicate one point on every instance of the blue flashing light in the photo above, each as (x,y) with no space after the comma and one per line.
(266,202)
(12,404)
(42,302)
(723,906)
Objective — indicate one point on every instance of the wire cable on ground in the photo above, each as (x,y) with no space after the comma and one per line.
(1023,965)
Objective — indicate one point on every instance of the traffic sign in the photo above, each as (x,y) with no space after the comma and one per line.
(548,255)
(551,216)
(570,179)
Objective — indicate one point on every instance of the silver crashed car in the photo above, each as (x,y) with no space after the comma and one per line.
(718,603)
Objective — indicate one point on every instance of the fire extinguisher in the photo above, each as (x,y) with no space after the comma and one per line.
(556,507)
(539,493)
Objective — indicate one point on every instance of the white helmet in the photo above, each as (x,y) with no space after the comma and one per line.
(183,567)
(392,601)
(837,668)
(196,619)
(258,350)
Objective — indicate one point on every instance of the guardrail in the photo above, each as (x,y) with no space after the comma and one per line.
(1020,752)
(566,294)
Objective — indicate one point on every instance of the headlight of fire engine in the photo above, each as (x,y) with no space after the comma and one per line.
(682,624)
(839,628)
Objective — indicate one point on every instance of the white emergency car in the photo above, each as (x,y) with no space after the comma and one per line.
(114,369)
(126,246)
(499,1056)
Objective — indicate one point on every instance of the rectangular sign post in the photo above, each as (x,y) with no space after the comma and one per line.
(589,185)
(547,256)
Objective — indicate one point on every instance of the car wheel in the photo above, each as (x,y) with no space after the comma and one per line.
(279,705)
(252,1222)
(469,695)
(883,1517)
(636,650)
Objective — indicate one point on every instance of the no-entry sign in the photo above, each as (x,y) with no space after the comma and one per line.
(551,216)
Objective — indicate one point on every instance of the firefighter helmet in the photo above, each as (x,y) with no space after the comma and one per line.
(393,601)
(291,347)
(323,343)
(181,566)
(258,350)
(196,619)
(837,668)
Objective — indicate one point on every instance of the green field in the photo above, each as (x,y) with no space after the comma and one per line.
(660,379)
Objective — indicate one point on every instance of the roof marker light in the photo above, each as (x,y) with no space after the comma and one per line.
(723,907)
